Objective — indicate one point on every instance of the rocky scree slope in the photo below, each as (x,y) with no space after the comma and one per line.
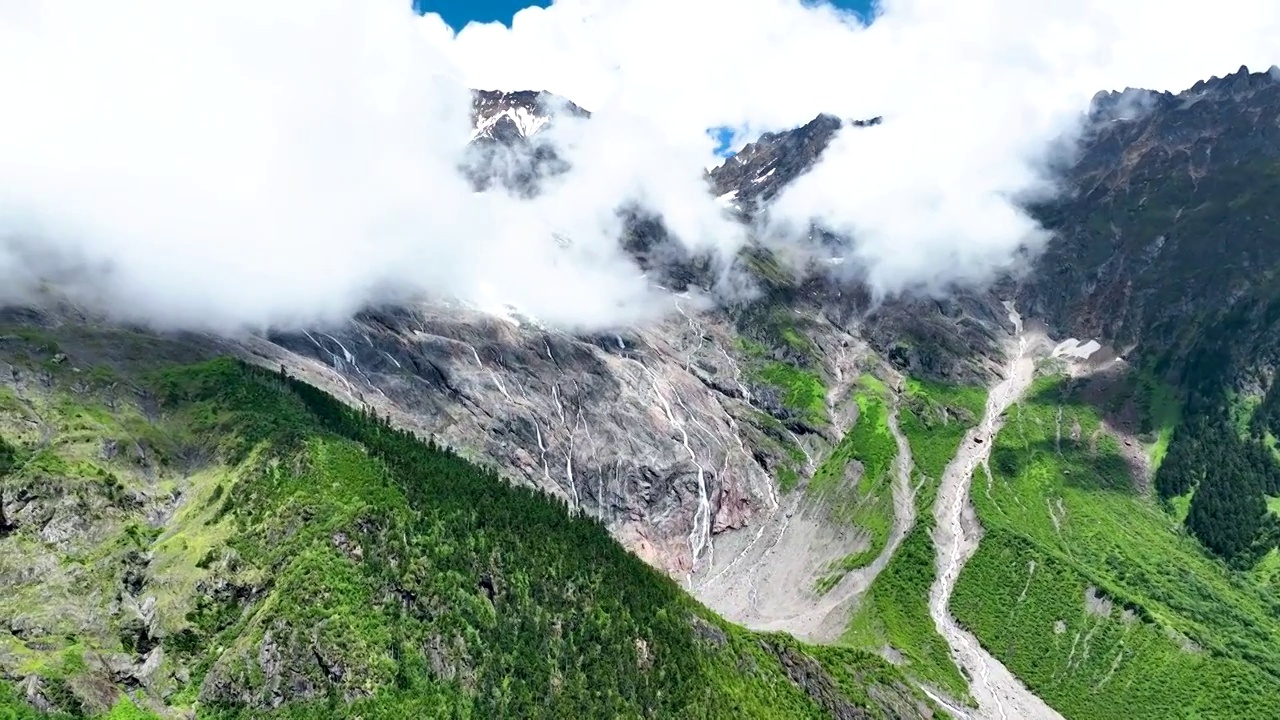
(674,434)
(745,448)
(184,537)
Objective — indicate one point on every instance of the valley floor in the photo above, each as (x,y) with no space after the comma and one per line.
(1055,587)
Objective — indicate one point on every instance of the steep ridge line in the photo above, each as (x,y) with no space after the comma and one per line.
(998,692)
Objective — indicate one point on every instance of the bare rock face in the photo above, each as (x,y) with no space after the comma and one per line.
(623,427)
(755,175)
(664,432)
(1172,217)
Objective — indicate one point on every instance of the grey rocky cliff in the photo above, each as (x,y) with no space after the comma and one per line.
(662,432)
(647,429)
(1171,216)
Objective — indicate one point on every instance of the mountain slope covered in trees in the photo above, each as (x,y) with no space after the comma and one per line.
(1087,586)
(218,538)
(1166,250)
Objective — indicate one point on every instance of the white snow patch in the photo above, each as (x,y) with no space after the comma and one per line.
(526,121)
(492,304)
(764,177)
(729,200)
(1073,348)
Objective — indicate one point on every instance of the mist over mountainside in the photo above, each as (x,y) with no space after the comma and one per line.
(952,391)
(734,444)
(503,147)
(111,201)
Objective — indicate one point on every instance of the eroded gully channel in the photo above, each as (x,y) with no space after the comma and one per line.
(956,535)
(779,596)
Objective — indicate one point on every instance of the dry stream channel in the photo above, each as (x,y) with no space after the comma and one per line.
(998,693)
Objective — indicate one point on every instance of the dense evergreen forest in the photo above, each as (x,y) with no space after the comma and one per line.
(1224,449)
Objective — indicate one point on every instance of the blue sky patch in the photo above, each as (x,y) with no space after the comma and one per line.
(723,136)
(457,13)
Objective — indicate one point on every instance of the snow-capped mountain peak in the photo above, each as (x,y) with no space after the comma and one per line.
(499,115)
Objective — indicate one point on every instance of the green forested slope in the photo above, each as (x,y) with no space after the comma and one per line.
(1167,253)
(1222,461)
(1095,595)
(222,539)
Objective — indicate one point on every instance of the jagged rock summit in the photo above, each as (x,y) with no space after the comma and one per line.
(508,116)
(507,149)
(753,176)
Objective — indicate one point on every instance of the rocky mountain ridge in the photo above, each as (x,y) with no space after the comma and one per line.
(1119,273)
(754,175)
(507,116)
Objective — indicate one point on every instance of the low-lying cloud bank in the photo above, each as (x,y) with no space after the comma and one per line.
(242,164)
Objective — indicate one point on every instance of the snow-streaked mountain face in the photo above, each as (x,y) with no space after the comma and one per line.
(507,116)
(505,150)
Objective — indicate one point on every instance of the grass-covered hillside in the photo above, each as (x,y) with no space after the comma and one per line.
(1094,592)
(895,612)
(220,540)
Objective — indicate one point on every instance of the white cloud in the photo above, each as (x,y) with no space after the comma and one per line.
(242,162)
